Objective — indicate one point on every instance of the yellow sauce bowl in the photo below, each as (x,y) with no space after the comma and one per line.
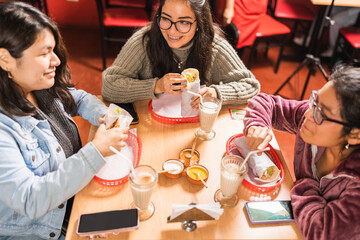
(193,171)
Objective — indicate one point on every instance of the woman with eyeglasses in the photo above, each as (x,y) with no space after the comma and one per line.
(326,195)
(182,35)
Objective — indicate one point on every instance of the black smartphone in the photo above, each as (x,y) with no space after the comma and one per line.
(130,108)
(107,222)
(269,211)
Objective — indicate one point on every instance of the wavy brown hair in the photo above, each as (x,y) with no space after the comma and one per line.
(161,55)
(20,25)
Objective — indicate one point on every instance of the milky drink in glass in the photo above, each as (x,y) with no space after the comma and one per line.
(208,114)
(142,188)
(232,173)
(231,179)
(142,183)
(209,109)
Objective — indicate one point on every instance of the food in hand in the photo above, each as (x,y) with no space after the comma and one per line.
(117,117)
(190,74)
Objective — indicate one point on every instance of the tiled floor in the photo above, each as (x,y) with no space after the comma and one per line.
(85,62)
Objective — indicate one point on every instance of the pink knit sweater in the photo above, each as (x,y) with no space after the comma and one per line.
(326,208)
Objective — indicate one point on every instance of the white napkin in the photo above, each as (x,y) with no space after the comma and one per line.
(212,209)
(193,85)
(116,168)
(167,105)
(186,109)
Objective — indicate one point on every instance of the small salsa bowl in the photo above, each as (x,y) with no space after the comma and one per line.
(192,174)
(175,164)
(195,158)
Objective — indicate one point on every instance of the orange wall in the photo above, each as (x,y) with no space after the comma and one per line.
(70,13)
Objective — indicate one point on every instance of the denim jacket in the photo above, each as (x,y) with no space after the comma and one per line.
(36,178)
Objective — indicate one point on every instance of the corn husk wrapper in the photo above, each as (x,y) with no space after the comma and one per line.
(193,85)
(261,166)
(117,117)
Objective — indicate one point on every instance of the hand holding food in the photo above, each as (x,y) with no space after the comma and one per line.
(170,83)
(263,168)
(117,117)
(112,137)
(257,138)
(113,130)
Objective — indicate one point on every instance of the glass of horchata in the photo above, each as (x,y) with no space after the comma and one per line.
(142,183)
(209,109)
(232,174)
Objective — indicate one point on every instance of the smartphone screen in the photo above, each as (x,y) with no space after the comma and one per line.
(269,211)
(101,222)
(129,107)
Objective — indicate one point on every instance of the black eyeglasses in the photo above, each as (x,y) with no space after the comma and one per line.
(181,26)
(319,115)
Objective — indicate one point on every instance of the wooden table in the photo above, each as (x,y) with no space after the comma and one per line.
(348,3)
(164,141)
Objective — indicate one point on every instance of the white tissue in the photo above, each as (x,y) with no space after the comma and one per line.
(214,210)
(186,109)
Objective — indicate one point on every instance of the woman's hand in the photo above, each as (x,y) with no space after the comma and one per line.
(206,91)
(170,83)
(258,138)
(104,138)
(228,15)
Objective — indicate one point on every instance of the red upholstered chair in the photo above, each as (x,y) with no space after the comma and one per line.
(301,12)
(126,3)
(348,44)
(40,4)
(113,17)
(253,25)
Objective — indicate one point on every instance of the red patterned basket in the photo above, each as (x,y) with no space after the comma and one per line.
(172,119)
(135,142)
(230,146)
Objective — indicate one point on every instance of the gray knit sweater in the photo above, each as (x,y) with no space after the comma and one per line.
(130,77)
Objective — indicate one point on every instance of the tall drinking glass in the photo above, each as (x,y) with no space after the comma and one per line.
(231,178)
(209,109)
(142,182)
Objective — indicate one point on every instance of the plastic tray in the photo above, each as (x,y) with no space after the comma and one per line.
(172,120)
(230,148)
(135,142)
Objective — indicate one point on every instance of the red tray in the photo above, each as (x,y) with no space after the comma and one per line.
(172,119)
(230,147)
(135,142)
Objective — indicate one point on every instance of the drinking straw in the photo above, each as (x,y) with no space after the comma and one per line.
(251,152)
(124,157)
(196,94)
(192,148)
(202,180)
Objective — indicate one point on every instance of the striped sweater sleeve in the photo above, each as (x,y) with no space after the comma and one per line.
(234,83)
(129,78)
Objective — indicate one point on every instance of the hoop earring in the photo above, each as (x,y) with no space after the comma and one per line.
(347,146)
(9,75)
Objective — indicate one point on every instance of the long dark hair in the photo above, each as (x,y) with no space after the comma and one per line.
(346,82)
(160,54)
(20,25)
